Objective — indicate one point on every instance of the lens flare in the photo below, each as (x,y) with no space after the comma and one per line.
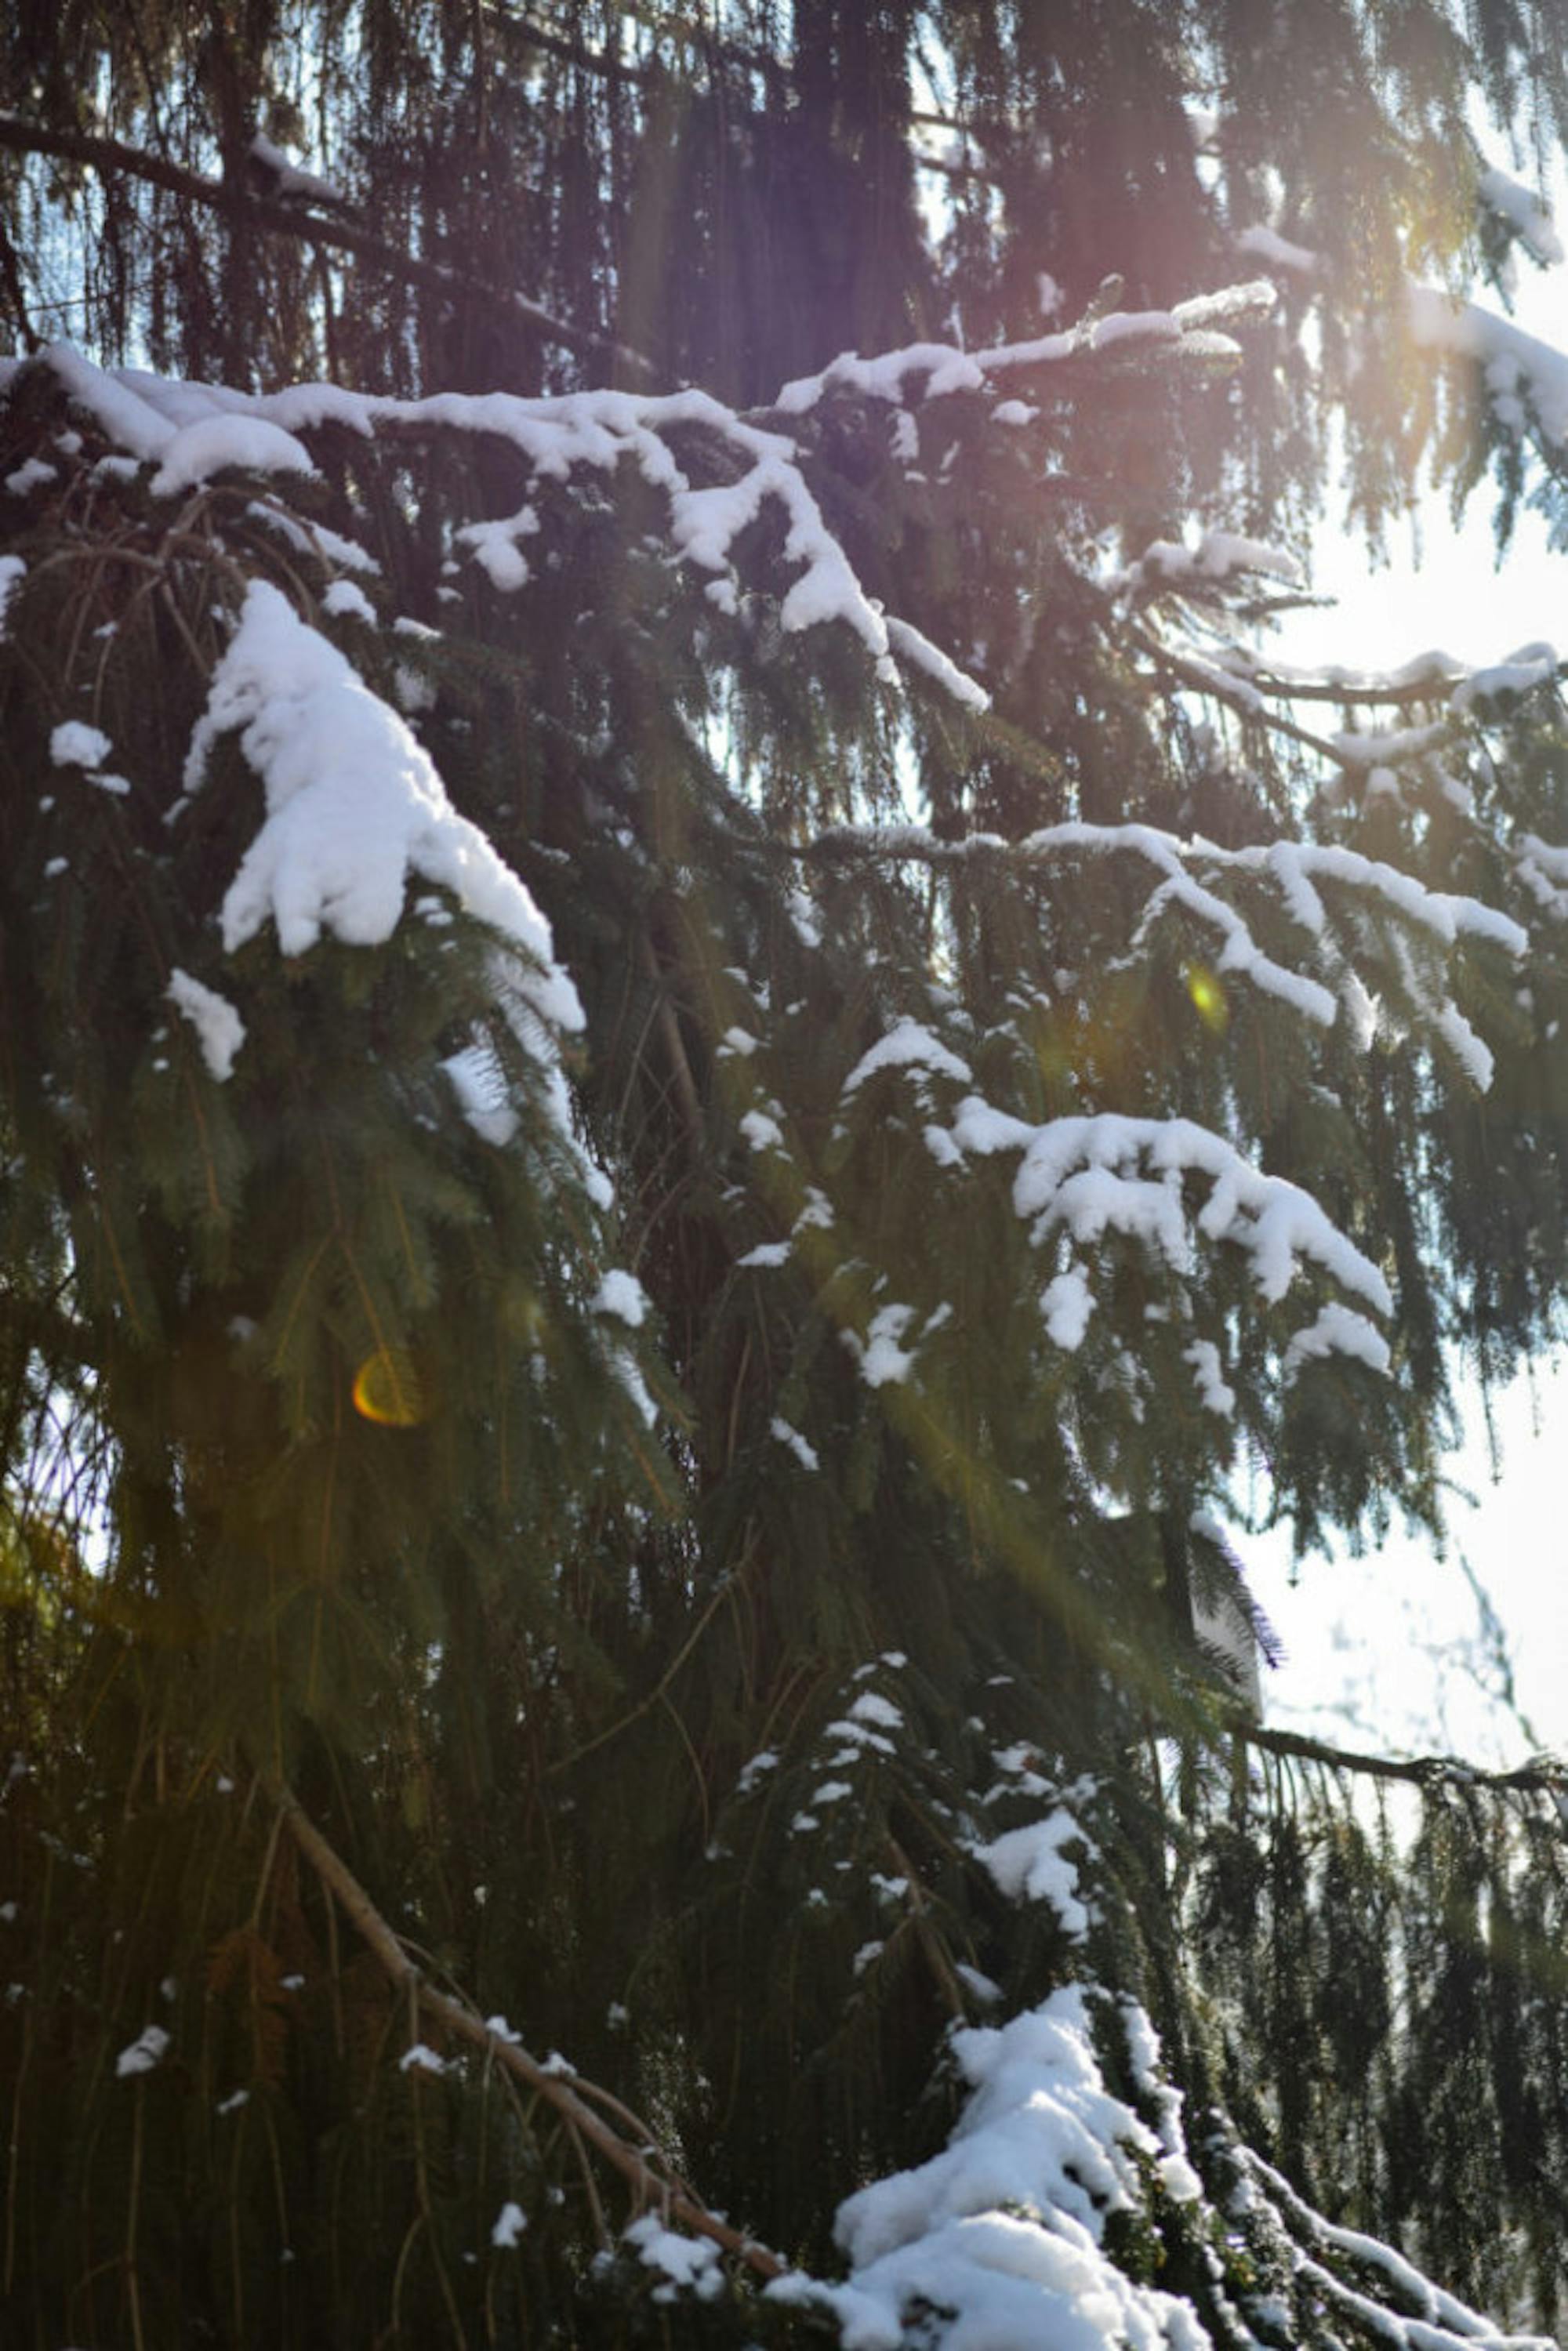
(388,1390)
(1208,997)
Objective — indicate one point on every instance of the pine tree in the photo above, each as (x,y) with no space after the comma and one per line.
(706,1082)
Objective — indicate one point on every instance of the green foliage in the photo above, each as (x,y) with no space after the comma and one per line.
(667,1499)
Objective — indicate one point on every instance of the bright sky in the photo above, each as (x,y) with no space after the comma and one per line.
(1392,1649)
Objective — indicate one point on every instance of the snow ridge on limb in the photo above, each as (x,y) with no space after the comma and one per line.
(193,432)
(1294,868)
(1000,2239)
(354,806)
(1109,1173)
(936,371)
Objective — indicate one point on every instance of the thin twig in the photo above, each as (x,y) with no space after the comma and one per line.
(634,1714)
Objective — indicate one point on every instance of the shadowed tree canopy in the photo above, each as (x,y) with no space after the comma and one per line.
(708,1079)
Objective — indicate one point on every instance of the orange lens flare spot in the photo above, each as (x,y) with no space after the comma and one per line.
(1208,997)
(388,1390)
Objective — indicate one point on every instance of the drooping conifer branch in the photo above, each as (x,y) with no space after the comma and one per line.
(106,155)
(1545,1776)
(655,2182)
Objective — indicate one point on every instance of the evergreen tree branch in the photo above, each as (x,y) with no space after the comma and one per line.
(1543,1776)
(654,2179)
(1243,698)
(565,51)
(636,73)
(106,155)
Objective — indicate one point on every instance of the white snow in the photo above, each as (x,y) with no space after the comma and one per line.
(1339,1330)
(805,1454)
(762,1132)
(1066,1302)
(871,1707)
(484,1095)
(1002,2230)
(420,2058)
(908,1045)
(1533,664)
(354,806)
(510,2222)
(347,597)
(913,646)
(1029,1861)
(881,1358)
(621,1295)
(1529,218)
(1277,252)
(219,1029)
(766,1760)
(146,2051)
(13,571)
(1213,1393)
(689,2261)
(1218,555)
(1520,373)
(1088,1174)
(198,451)
(289,181)
(31,475)
(936,371)
(496,547)
(75,745)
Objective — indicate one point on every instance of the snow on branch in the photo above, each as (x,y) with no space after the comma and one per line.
(1439,2321)
(1189,871)
(354,806)
(1523,376)
(1089,1175)
(193,432)
(1525,214)
(1003,2230)
(936,371)
(1000,2239)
